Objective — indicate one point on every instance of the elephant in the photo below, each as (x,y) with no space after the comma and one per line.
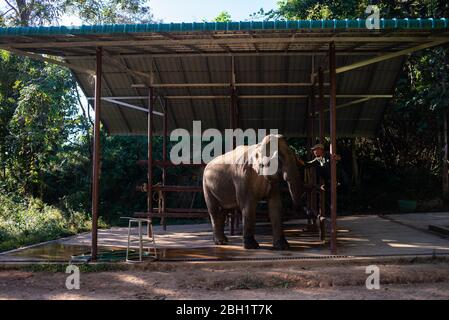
(239,179)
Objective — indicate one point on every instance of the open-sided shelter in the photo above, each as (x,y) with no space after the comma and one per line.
(311,78)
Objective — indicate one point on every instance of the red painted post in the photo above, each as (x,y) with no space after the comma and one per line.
(333,145)
(232,124)
(313,195)
(150,155)
(164,161)
(96,156)
(164,146)
(322,129)
(321,102)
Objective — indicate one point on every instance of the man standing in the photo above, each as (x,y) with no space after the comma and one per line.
(321,163)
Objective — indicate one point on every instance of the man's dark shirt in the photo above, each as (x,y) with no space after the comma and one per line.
(322,165)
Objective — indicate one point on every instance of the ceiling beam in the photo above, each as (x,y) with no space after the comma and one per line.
(50,60)
(128,105)
(236,54)
(224,84)
(351,103)
(287,96)
(115,62)
(226,41)
(388,56)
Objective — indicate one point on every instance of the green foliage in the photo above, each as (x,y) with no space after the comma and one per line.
(25,221)
(42,12)
(35,12)
(111,11)
(38,114)
(352,9)
(224,16)
(312,9)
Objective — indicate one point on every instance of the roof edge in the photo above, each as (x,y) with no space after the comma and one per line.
(404,24)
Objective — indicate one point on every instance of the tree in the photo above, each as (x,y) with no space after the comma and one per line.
(31,12)
(352,9)
(44,136)
(224,16)
(111,11)
(43,12)
(38,114)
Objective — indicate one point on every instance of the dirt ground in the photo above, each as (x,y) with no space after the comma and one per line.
(255,280)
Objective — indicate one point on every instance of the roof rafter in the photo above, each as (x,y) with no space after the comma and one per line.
(50,60)
(388,56)
(217,41)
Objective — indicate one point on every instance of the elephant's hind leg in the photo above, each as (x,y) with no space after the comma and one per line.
(249,224)
(275,213)
(217,218)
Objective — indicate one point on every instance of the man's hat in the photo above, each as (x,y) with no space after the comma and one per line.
(317,146)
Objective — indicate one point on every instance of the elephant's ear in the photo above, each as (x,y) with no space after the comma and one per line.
(265,158)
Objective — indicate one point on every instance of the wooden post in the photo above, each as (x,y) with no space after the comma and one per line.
(150,156)
(445,178)
(333,145)
(96,155)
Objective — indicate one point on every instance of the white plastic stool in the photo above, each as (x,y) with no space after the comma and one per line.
(140,222)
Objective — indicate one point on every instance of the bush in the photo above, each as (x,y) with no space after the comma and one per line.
(24,221)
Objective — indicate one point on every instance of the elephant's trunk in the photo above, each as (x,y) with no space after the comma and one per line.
(294,181)
(295,192)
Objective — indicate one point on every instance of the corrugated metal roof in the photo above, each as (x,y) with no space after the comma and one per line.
(408,24)
(263,52)
(285,114)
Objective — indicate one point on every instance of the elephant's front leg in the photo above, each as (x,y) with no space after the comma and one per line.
(249,224)
(217,217)
(275,212)
(218,222)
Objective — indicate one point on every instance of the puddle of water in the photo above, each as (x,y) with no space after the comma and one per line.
(52,251)
(300,237)
(56,251)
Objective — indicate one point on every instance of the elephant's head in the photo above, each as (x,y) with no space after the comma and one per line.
(274,159)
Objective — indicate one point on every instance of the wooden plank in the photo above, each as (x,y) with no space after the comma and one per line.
(177,188)
(171,214)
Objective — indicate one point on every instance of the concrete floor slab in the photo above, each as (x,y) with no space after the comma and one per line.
(358,236)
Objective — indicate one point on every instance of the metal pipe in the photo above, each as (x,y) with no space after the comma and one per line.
(312,115)
(96,155)
(445,177)
(322,208)
(150,152)
(164,160)
(164,145)
(348,96)
(333,145)
(321,104)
